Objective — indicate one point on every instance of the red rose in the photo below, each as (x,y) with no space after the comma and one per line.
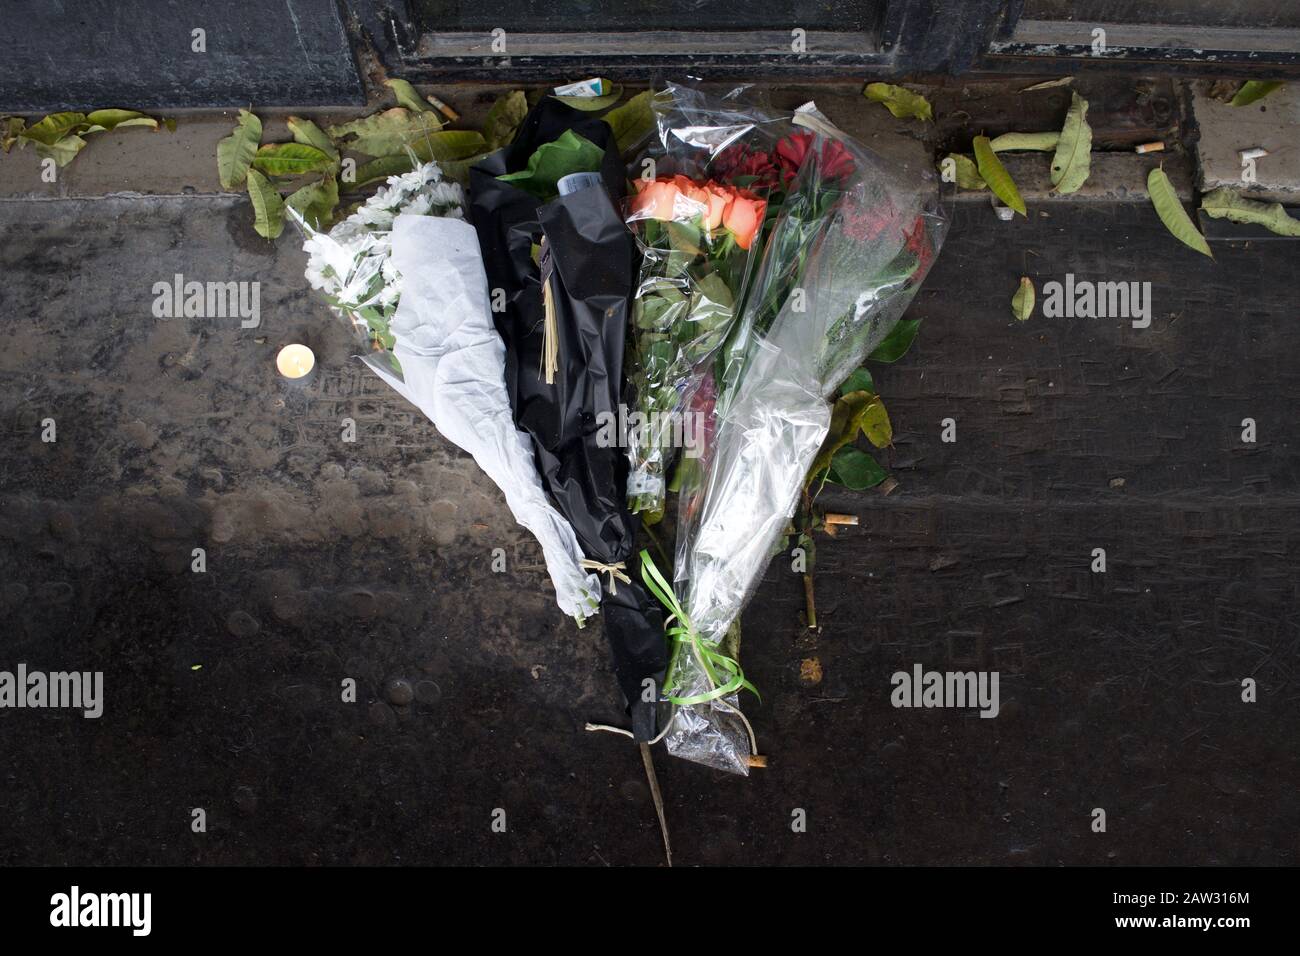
(790,154)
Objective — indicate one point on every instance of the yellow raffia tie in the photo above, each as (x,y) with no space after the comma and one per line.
(615,572)
(550,332)
(723,672)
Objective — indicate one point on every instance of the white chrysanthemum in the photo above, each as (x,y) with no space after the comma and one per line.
(351,263)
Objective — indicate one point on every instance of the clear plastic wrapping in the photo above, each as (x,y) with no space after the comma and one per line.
(853,240)
(698,213)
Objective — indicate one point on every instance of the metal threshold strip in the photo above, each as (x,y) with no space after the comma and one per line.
(1150,41)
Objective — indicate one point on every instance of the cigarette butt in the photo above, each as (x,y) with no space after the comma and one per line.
(443,108)
(756,760)
(834,519)
(1156,147)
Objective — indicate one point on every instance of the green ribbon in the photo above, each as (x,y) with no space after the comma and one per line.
(723,672)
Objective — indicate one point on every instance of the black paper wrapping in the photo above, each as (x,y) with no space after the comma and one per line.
(594,260)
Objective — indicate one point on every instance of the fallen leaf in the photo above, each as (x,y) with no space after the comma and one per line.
(631,121)
(968,174)
(315,202)
(407,96)
(1039,142)
(1022,303)
(1049,84)
(1073,159)
(309,134)
(54,127)
(901,102)
(235,153)
(1172,213)
(268,207)
(996,175)
(1253,90)
(291,159)
(387,132)
(504,118)
(1227,204)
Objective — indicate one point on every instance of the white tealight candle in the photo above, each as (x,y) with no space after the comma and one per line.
(295,362)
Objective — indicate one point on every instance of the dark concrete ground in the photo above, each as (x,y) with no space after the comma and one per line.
(371,560)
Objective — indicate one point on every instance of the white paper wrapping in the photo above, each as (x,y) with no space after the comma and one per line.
(453,370)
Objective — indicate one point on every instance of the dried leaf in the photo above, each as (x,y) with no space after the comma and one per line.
(631,121)
(315,202)
(386,133)
(309,134)
(1172,213)
(1253,90)
(407,96)
(1049,84)
(54,127)
(1039,142)
(62,151)
(876,425)
(235,153)
(1073,159)
(1227,204)
(968,174)
(1022,303)
(291,159)
(13,126)
(899,101)
(995,174)
(268,207)
(504,118)
(108,120)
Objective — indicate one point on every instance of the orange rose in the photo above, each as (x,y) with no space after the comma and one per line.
(743,218)
(717,198)
(654,199)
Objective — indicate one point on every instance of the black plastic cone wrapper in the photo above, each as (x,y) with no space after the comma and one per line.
(594,261)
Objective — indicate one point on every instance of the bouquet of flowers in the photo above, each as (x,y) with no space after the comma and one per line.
(698,231)
(352,263)
(853,240)
(556,247)
(408,266)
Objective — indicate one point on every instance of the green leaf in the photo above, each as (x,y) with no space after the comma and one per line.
(268,207)
(407,96)
(1049,84)
(1038,142)
(54,127)
(899,101)
(504,118)
(387,132)
(1227,204)
(291,159)
(876,425)
(108,120)
(1172,213)
(1073,157)
(1253,90)
(63,151)
(968,174)
(859,381)
(452,149)
(631,121)
(897,342)
(309,134)
(993,173)
(12,127)
(569,153)
(594,104)
(315,202)
(235,153)
(855,470)
(846,422)
(1022,303)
